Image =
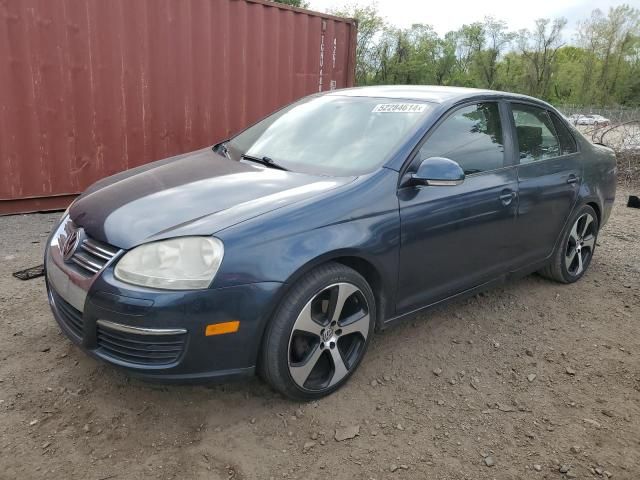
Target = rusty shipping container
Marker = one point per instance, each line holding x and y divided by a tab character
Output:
92	87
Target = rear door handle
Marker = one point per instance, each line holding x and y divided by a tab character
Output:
507	196
572	179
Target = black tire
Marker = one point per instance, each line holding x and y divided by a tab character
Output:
557	269
282	343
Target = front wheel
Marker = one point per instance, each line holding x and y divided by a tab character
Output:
319	334
573	256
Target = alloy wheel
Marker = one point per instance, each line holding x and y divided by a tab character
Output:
328	337
580	245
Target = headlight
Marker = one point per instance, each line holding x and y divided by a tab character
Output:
185	263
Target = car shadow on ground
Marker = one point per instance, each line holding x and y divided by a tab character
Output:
238	393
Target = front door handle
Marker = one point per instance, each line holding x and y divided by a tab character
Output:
572	179
507	196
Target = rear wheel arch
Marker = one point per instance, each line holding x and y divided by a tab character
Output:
557	269
598	210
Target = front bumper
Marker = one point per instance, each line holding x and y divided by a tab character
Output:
156	334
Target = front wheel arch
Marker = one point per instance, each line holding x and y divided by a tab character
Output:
352	259
364	267
270	363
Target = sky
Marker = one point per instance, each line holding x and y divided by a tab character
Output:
445	16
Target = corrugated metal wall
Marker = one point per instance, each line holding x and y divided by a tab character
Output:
92	87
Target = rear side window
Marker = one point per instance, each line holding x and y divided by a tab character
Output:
471	136
536	134
567	142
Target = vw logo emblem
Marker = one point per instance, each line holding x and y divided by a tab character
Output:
327	334
69	245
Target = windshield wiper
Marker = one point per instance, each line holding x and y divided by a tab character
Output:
267	161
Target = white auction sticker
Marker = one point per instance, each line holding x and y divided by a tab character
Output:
399	108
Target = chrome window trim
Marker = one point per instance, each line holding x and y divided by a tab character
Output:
559	157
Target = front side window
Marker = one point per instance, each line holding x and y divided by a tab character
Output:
536	134
331	134
471	136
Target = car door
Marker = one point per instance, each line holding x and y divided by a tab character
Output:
549	175
456	237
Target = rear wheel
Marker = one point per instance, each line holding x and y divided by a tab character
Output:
319	334
573	256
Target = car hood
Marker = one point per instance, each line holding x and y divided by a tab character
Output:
195	194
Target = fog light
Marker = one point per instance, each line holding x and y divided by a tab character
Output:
222	328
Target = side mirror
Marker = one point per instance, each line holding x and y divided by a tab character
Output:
438	171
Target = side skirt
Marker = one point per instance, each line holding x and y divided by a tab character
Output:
513	275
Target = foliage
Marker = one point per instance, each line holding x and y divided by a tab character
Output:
602	67
294	3
370	24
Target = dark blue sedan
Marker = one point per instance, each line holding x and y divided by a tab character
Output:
283	249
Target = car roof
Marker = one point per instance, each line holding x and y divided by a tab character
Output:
428	93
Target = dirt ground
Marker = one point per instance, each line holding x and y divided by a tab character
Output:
526	381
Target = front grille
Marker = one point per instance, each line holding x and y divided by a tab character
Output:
91	255
140	349
69	315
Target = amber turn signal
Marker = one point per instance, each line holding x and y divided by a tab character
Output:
222	328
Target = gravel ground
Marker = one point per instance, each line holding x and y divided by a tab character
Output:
532	380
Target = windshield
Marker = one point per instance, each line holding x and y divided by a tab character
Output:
331	135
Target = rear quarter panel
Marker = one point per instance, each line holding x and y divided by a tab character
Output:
600	178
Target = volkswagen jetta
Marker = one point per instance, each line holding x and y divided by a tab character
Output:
283	249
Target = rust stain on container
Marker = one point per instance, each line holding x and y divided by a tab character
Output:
89	88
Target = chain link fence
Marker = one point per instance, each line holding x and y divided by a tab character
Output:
613	114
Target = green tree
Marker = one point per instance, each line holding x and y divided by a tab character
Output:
602	67
539	49
294	3
370	26
470	41
610	42
446	61
496	39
